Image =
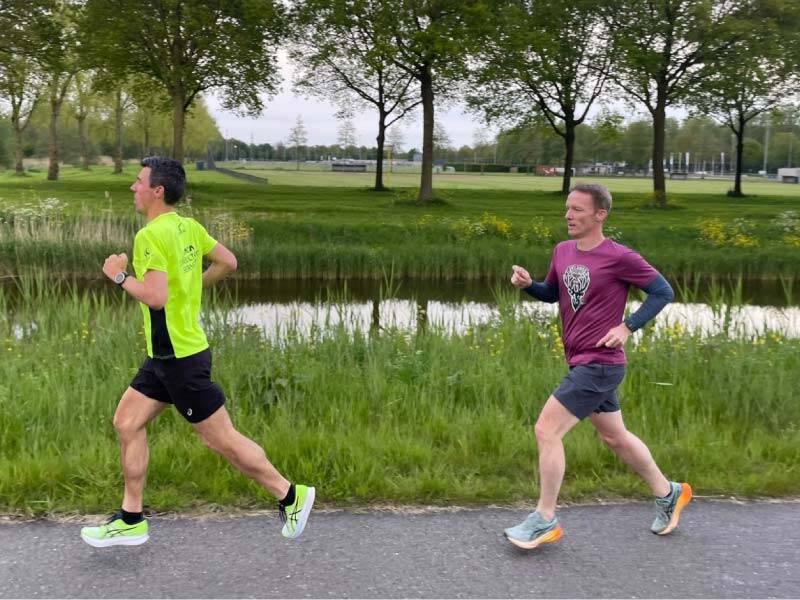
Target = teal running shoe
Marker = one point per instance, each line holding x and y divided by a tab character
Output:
534	531
116	532
668	510
295	516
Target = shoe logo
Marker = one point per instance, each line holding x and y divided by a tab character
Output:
189	413
289	517
118	531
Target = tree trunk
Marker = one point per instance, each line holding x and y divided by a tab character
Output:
178	122
84	141
19	168
118	133
426	179
379	158
659	139
569	155
146	146
737	184
55	113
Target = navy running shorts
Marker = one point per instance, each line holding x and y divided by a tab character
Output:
591	389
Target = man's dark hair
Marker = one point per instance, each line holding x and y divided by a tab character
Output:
169	173
599	193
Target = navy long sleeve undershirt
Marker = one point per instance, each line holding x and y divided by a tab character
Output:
659	294
546	292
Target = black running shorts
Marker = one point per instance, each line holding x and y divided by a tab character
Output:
184	382
591	389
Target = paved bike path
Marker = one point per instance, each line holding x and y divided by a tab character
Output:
721	549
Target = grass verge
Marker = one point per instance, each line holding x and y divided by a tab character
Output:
426	418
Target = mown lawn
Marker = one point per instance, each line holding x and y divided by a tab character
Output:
311	175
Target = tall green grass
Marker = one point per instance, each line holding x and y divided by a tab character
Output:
77	245
382	415
291	231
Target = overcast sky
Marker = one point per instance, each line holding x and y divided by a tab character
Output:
319	118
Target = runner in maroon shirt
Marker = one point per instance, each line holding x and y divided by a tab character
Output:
589	277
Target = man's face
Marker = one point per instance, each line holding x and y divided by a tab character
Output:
582	217
143	194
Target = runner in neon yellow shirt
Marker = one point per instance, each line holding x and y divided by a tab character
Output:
174	245
168	260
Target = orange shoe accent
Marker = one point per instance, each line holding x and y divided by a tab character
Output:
683	500
546	538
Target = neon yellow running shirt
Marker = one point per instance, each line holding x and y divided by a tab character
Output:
174	245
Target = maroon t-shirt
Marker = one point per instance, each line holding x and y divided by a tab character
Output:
592	292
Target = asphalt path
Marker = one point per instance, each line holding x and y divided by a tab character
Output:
721	550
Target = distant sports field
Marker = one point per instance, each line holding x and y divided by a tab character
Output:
511	181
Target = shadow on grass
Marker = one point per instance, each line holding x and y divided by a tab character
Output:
437	201
410	197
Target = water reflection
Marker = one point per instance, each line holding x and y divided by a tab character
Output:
454	306
758	292
456	318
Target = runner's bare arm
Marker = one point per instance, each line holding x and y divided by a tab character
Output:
152	290
223	263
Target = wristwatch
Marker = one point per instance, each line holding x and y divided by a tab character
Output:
120	277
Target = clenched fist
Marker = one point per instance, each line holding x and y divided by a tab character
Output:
520	277
116	263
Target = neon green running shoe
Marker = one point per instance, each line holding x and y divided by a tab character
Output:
116	532
295	516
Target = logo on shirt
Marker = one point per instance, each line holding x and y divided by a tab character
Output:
576	280
189	258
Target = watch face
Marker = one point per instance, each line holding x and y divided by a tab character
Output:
119	277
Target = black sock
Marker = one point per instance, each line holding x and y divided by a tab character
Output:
131	518
289	499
